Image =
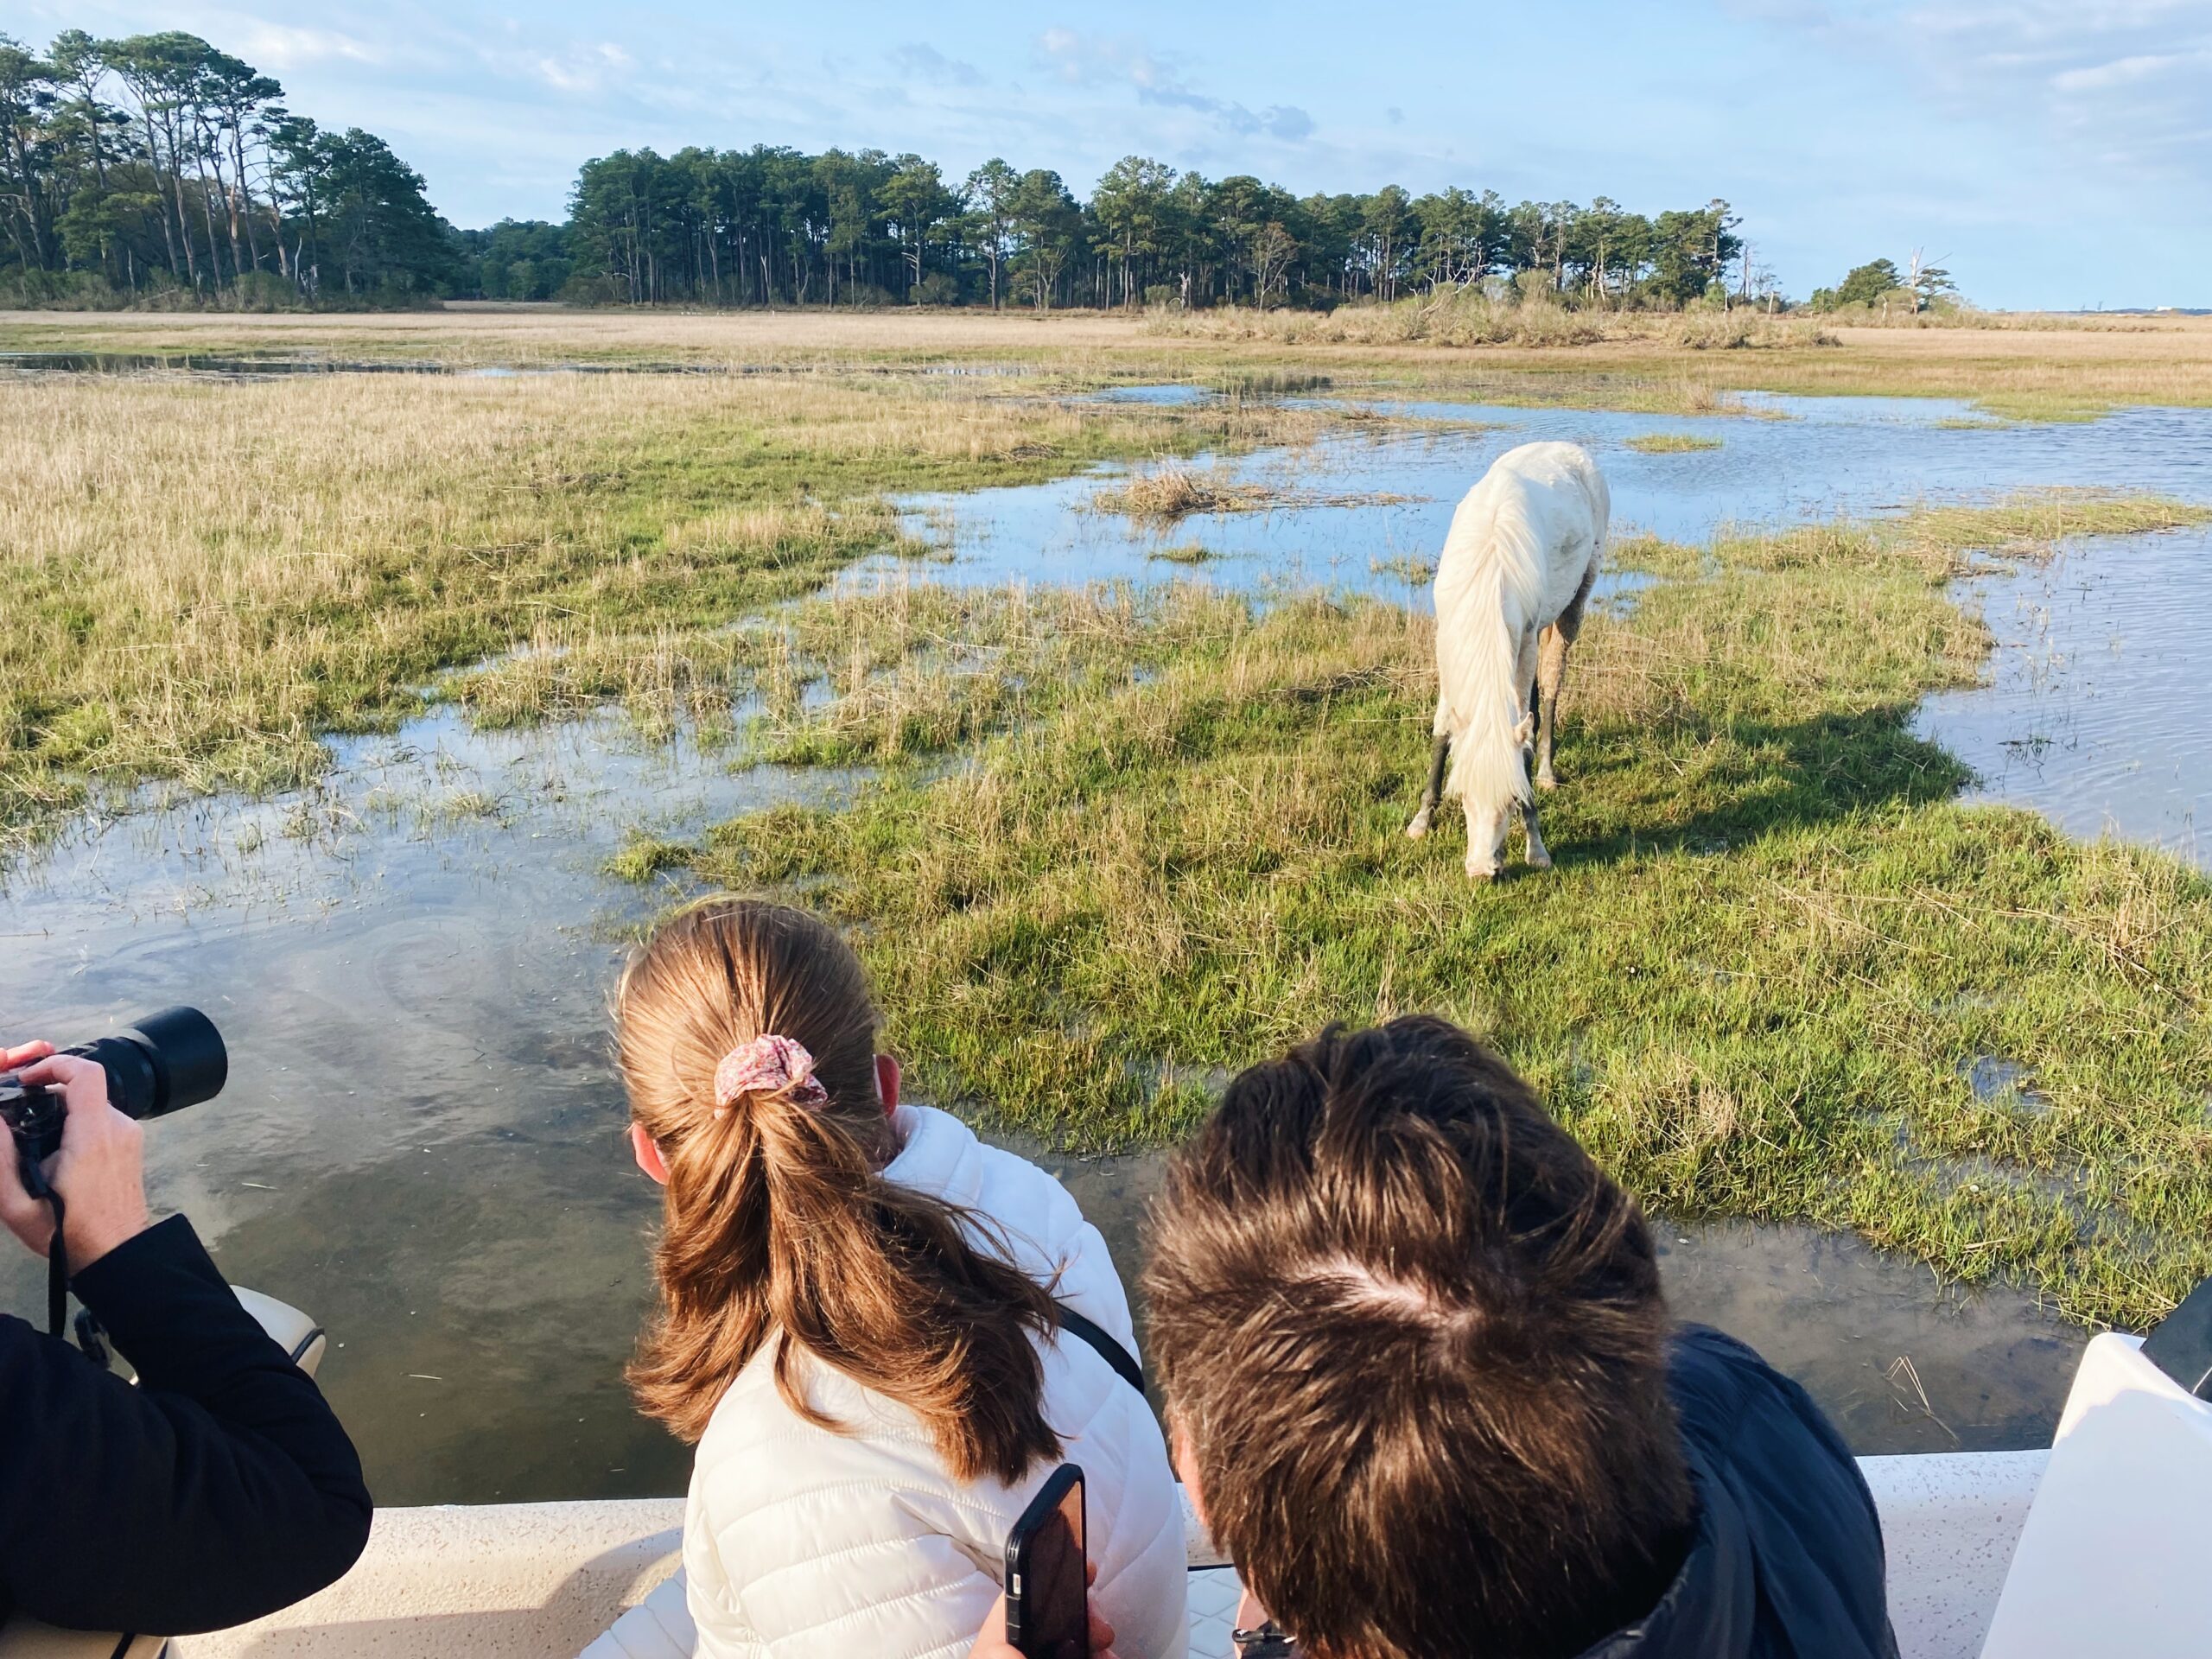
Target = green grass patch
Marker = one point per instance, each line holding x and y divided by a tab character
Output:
1756	984
1671	443
643	856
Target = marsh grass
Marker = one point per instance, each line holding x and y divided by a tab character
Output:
1671	443
1465	316
2026	368
1413	570
205	578
885	667
910	671
1169	493
1172	492
642	856
1755	985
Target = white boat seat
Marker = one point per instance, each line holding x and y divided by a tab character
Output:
539	1579
660	1627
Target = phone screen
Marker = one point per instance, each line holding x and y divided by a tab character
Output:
1048	1594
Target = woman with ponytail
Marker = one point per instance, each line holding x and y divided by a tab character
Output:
861	1320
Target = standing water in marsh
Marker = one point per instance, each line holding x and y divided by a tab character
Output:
421	1143
2095	709
2092	717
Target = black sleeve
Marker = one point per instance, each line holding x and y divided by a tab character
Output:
1815	1529
219	1489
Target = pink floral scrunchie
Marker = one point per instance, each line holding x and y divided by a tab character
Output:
767	1066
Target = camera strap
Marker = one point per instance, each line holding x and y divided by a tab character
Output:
57	1253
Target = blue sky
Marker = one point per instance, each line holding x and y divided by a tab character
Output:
2051	154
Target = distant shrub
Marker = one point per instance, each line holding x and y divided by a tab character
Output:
73	290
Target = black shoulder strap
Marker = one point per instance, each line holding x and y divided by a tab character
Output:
1124	1362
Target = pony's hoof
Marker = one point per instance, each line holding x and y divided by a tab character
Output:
1482	872
1545	780
1540	860
1419	827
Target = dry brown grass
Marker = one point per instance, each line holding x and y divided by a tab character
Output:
1460	318
2093	322
1171	492
2036	367
544	334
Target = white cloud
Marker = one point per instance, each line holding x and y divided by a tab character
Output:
921	61
2125	82
1106	60
577	68
2125	72
280	47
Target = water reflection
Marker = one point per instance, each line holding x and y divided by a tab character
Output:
2094	713
420	1141
1795	459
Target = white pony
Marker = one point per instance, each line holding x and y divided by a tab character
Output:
1509	589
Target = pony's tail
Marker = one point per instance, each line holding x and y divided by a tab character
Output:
1489	750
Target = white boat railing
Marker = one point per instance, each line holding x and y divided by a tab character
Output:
544	1580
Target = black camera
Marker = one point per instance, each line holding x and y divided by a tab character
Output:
167	1062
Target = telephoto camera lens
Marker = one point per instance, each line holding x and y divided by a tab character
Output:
165	1062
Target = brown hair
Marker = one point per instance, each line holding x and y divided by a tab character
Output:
776	1219
1416	1341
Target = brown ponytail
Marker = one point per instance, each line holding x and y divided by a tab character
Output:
777	1221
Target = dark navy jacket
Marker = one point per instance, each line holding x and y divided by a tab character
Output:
219	1489
1787	1561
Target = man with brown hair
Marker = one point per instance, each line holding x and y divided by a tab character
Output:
1424	1386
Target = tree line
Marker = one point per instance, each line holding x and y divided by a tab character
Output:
776	226
156	164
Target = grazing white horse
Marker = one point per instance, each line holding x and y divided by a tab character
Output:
1509	589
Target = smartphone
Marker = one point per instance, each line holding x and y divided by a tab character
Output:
1047	1595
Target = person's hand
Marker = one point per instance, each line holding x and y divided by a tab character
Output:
991	1642
98	1171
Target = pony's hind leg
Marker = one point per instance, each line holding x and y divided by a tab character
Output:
1433	791
1524	673
1551	675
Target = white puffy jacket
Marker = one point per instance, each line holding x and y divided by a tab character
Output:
803	1543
